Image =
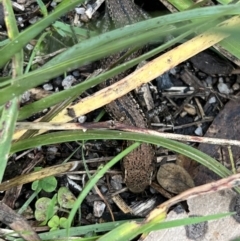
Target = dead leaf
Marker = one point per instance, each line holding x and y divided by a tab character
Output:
174	178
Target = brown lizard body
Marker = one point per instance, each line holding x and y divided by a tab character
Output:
138	165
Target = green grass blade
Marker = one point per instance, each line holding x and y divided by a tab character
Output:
67	30
130	230
188	221
90	50
232	45
11	108
25	36
81	230
42	7
66	136
182	5
55	98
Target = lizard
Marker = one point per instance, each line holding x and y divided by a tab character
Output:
138	165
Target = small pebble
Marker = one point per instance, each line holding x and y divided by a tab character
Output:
199	131
173	71
98	208
20	20
82	119
44	111
164	82
212	100
31	155
235	86
196	231
29	47
53	4
52	150
25	97
47	86
80	11
68	81
222	87
116	182
76	73
209	81
220	80
103	189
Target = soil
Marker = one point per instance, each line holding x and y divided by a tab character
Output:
191	103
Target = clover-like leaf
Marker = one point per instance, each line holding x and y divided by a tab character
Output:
45	208
54	222
41	208
63	222
65	198
49	184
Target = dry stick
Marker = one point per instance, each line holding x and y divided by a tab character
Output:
224	183
45	172
119	126
17	223
65	168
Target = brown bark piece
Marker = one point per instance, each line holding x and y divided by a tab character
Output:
226	126
17	223
211	63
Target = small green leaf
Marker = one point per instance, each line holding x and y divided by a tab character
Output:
39	215
63	222
49	184
35	185
45	209
54	222
41	208
54	229
52	208
65	198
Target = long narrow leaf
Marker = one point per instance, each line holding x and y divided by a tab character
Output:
24	37
55	98
86	52
10	109
60	137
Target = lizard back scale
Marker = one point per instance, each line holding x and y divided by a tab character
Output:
138	165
